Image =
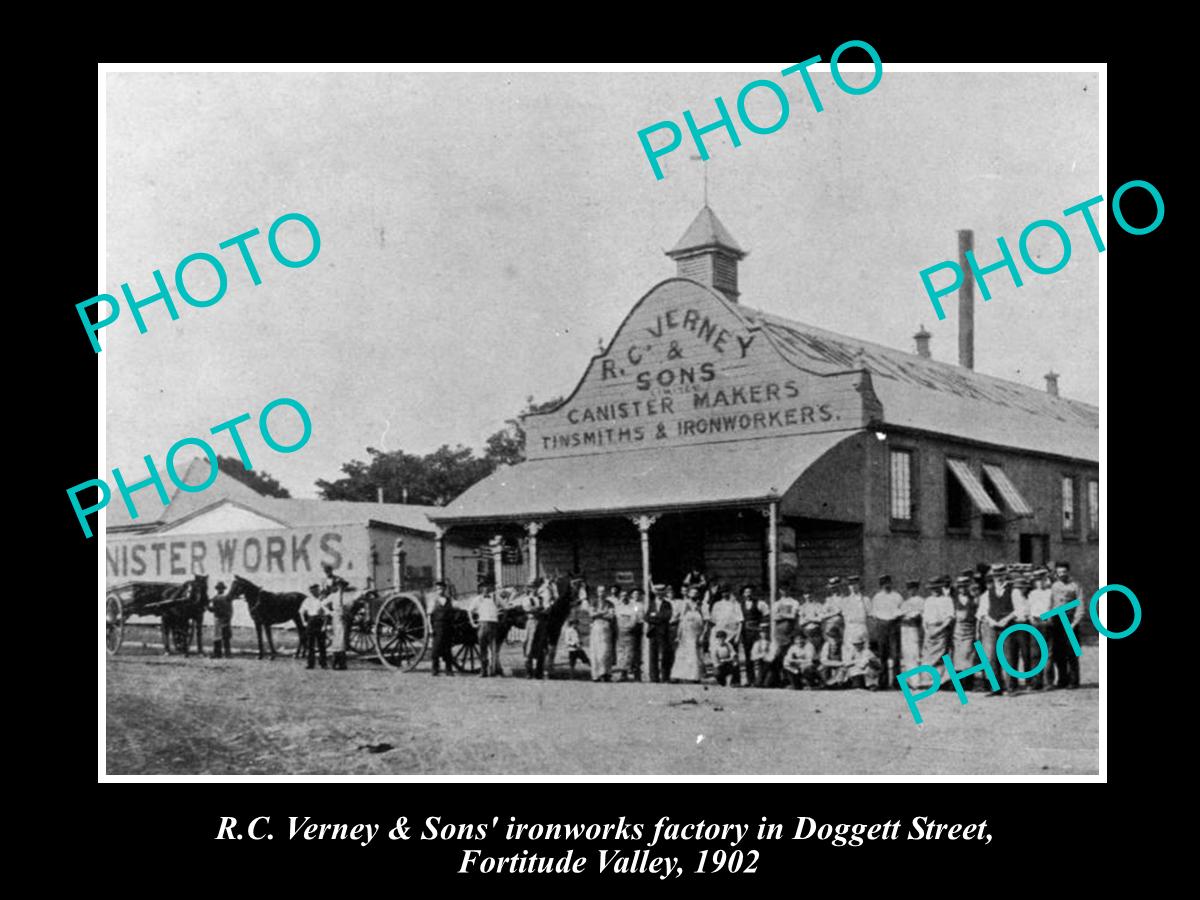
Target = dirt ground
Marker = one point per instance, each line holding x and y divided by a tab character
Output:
239	716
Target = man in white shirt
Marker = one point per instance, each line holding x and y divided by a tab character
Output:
885	610
1064	590
486	616
1039	602
853	606
1019	645
726	615
312	614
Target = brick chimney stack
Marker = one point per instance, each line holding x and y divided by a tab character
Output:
1052	383
922	338
966	302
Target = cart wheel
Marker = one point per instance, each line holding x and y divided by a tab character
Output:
466	657
361	629
401	633
114	621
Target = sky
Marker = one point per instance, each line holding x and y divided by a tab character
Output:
481	233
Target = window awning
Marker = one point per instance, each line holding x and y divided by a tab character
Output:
973	487
1008	490
606	484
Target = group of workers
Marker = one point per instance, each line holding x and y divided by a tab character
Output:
846	639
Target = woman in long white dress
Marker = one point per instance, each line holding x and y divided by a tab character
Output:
688	665
628	618
600	641
910	628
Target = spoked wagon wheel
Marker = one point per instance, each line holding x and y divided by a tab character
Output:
466	657
401	633
114	622
361	630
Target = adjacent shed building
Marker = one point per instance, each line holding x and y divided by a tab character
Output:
280	544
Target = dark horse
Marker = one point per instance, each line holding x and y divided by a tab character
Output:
267	609
180	608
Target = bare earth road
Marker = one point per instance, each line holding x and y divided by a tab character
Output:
240	716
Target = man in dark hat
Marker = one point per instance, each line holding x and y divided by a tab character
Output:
998	613
756	618
885	618
658	632
222	610
441	622
966	627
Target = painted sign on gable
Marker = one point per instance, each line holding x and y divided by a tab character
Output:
277	559
685	368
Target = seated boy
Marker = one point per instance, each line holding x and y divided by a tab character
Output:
725	659
832	666
800	663
761	657
862	666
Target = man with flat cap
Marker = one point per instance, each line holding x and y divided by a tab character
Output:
997	613
441	622
885	614
222	610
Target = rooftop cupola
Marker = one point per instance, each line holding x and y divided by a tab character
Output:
708	253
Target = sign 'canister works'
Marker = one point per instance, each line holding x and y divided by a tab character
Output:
709	434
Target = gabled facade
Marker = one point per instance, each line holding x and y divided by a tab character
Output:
709	433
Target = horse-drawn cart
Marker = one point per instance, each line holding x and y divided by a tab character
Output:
179	606
401	634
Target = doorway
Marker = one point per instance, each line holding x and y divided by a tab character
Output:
1035	549
676	547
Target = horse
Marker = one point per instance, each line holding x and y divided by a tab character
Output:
542	645
267	609
180	608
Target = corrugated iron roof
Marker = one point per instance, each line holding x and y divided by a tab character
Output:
939	397
640	480
295	512
151	512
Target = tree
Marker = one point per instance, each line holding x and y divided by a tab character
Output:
434	479
256	479
507	446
